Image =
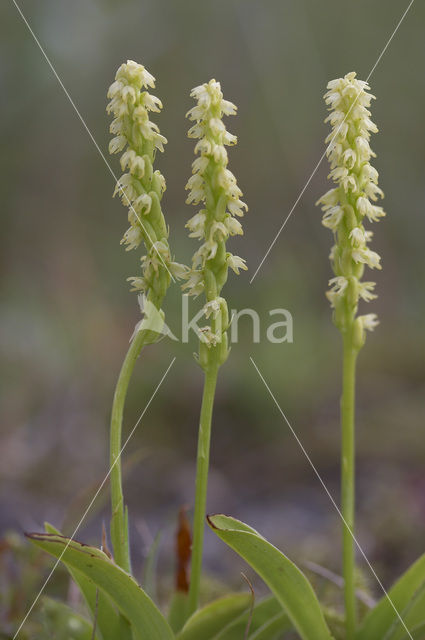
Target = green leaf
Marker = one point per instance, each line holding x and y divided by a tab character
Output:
286	581
264	611
418	632
62	623
146	620
413	617
273	629
179	610
208	621
110	623
380	619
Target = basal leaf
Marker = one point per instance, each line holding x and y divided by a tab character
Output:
109	622
417	632
273	629
62	623
178	611
286	581
413	617
265	610
380	619
146	620
205	623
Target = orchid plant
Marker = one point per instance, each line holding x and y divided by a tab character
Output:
121	609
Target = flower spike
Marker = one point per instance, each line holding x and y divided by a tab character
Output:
351	202
213	187
141	188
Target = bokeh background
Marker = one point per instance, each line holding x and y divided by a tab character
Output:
67	313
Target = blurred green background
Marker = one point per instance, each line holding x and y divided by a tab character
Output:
67	313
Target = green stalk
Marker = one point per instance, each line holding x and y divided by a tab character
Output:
348	482
203	457
119	524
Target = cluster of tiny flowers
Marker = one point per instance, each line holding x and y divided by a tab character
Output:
140	187
212	184
352	200
214	188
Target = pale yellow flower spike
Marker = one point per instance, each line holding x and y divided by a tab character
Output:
351	202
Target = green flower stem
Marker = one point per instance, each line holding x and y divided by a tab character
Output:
203	457
348	481
119	524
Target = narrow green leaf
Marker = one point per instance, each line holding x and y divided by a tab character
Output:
146	620
110	623
178	612
208	621
380	619
417	632
264	611
62	623
413	617
273	629
286	581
